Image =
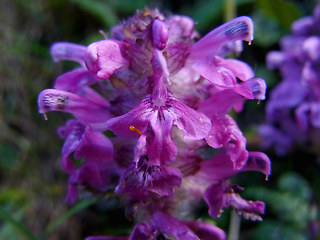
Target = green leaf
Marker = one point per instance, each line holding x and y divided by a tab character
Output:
99	9
17	225
78	207
128	6
277	231
205	13
267	31
283	12
9	157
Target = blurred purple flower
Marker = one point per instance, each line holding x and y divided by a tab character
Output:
293	110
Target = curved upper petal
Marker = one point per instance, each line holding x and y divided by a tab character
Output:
81	107
240	28
68	51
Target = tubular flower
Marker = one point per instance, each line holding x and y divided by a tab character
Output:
161	97
293	112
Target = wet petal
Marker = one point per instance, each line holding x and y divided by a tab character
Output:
193	124
221	131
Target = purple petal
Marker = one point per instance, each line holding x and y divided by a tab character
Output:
220	195
302	116
72	192
206	231
208	70
240	69
275	59
75	80
240	28
214	197
93	146
160	78
180	26
303	26
273	137
92	175
315	114
257	87
82	108
223	72
312	48
96	151
104	57
258	161
142	176
220	134
68	51
142	231
220	167
160	34
220	103
138	118
171	226
225	133
249	210
106	238
244	90
162	149
193	124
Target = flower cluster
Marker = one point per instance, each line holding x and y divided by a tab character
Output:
148	102
293	110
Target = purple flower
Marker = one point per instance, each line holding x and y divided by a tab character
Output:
293	108
162	97
160	110
86	156
164	226
211	181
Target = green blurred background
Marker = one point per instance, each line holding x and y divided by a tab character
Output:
32	183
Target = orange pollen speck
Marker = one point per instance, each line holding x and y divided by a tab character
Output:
45	116
164	53
133	129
